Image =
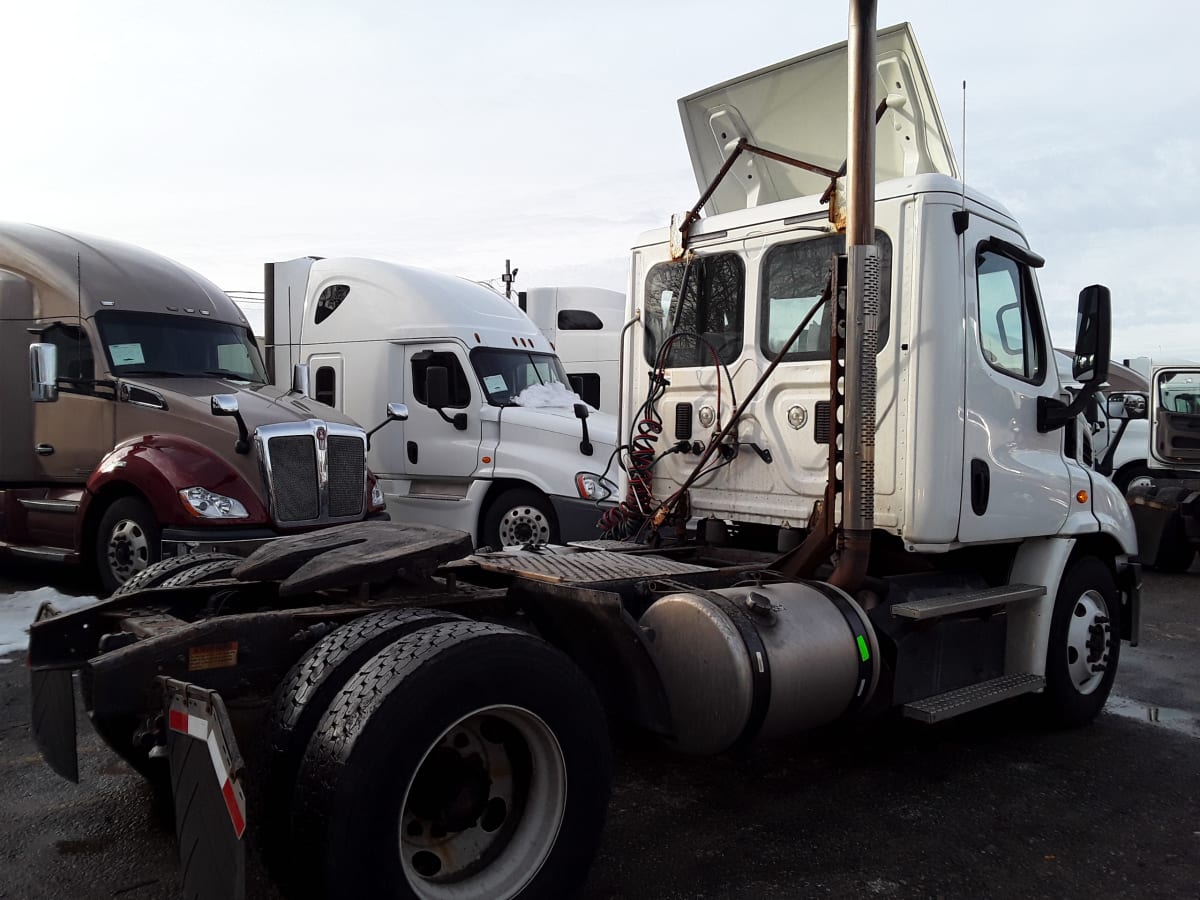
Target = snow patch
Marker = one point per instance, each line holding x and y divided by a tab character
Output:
548	395
17	611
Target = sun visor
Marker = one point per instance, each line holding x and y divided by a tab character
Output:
798	108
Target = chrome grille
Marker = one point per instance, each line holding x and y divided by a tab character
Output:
294	478
315	472
347	469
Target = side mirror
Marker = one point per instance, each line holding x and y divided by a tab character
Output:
1127	406
585	444
300	379
1093	335
437	387
43	373
227	405
576	382
395	412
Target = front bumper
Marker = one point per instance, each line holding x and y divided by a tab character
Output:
238	541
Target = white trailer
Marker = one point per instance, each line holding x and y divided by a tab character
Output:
583	324
492	443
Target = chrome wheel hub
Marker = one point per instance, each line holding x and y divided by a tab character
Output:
1088	641
128	550
524	525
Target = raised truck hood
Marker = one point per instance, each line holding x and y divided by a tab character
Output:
798	108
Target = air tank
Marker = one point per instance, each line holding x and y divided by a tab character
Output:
745	663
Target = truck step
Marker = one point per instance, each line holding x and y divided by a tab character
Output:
940	707
948	605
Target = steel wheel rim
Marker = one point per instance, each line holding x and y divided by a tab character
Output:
1139	482
498	854
1088	639
524	525
128	550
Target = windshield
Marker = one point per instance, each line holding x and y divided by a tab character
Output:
505	373
178	346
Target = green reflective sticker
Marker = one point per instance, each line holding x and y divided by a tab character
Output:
863	650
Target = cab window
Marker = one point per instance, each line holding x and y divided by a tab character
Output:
460	388
1009	325
76	362
795	277
694	308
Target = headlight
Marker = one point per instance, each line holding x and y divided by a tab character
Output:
377	501
207	505
593	487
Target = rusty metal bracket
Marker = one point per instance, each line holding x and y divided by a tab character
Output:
693	215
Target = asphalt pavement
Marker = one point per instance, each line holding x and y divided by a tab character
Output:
988	805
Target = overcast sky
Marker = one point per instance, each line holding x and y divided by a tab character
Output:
454	135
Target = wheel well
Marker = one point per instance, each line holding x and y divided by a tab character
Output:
1132	465
1102	546
101	501
500	485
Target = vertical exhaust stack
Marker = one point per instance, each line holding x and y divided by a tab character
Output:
862	312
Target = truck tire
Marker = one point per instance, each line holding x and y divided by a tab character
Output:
1085	644
464	760
519	516
1124	477
165	569
127	542
307	692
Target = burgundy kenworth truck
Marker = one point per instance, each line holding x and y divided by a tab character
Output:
138	420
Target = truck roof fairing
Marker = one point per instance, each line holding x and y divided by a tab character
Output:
80	274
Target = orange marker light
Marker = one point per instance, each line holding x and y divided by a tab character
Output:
487	459
1082	496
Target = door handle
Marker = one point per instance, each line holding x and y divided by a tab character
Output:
44	449
412	452
981	486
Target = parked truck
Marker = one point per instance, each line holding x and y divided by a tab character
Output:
583	325
138	420
893	519
1165	495
494	442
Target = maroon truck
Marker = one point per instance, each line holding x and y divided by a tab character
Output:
139	421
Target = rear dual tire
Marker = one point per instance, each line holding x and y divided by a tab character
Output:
464	760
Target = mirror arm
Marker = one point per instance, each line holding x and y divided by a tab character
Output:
1053	414
458	420
1105	466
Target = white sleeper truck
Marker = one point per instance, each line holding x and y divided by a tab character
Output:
854	399
490	441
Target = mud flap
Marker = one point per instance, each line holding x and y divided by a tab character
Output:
210	805
53	714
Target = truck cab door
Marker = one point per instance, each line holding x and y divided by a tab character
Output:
73	433
1175	417
1016	482
435	448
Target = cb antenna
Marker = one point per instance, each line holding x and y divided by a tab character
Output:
964	146
961	216
509	276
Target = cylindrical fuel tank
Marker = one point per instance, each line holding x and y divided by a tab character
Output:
754	662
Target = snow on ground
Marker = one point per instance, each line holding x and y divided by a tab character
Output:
553	394
18	609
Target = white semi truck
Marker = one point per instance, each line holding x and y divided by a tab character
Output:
894	518
491	440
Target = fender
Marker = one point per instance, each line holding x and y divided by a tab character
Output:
159	466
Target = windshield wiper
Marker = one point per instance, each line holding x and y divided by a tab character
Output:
159	373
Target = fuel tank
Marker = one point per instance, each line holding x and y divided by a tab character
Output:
744	663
